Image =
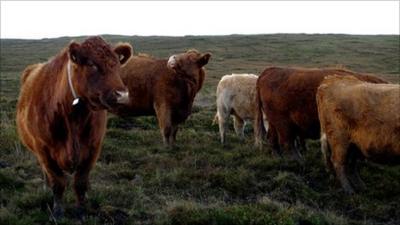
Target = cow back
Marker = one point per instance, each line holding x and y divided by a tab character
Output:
289	95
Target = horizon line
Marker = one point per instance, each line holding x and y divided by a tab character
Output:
192	35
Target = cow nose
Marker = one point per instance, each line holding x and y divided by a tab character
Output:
171	62
122	97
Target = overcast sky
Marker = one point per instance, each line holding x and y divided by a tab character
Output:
54	19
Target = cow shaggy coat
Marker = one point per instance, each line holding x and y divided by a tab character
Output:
236	95
358	119
165	88
287	96
66	137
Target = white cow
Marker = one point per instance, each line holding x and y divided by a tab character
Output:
236	95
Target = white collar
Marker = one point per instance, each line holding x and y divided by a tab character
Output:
69	73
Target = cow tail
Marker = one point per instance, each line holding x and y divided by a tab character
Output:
326	151
259	131
216	119
325	148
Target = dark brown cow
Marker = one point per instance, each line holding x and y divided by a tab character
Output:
287	96
63	123
165	88
358	120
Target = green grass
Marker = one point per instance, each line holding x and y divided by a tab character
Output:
138	181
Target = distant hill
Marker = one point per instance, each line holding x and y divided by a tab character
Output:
234	53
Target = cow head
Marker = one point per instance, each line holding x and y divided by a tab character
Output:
95	65
188	64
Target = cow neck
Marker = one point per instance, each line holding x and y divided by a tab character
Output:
78	106
71	86
191	79
191	83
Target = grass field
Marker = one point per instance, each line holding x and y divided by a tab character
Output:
138	181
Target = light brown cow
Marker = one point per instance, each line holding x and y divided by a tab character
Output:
165	88
236	95
61	112
358	119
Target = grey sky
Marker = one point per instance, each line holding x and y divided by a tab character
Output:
53	19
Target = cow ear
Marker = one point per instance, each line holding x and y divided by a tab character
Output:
75	53
124	52
204	59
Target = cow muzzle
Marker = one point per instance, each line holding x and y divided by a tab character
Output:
172	62
122	97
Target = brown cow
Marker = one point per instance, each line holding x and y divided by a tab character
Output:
61	112
287	96
165	88
358	119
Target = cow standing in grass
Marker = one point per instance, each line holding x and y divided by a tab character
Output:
236	95
163	87
287	97
358	120
62	109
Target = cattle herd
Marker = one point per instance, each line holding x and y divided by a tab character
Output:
63	104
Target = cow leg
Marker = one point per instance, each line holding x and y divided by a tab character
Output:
338	158
289	148
46	185
300	144
238	123
81	185
223	112
286	141
57	181
222	123
174	129
164	122
272	137
355	178
58	184
166	132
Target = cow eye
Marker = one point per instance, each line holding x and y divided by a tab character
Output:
92	65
